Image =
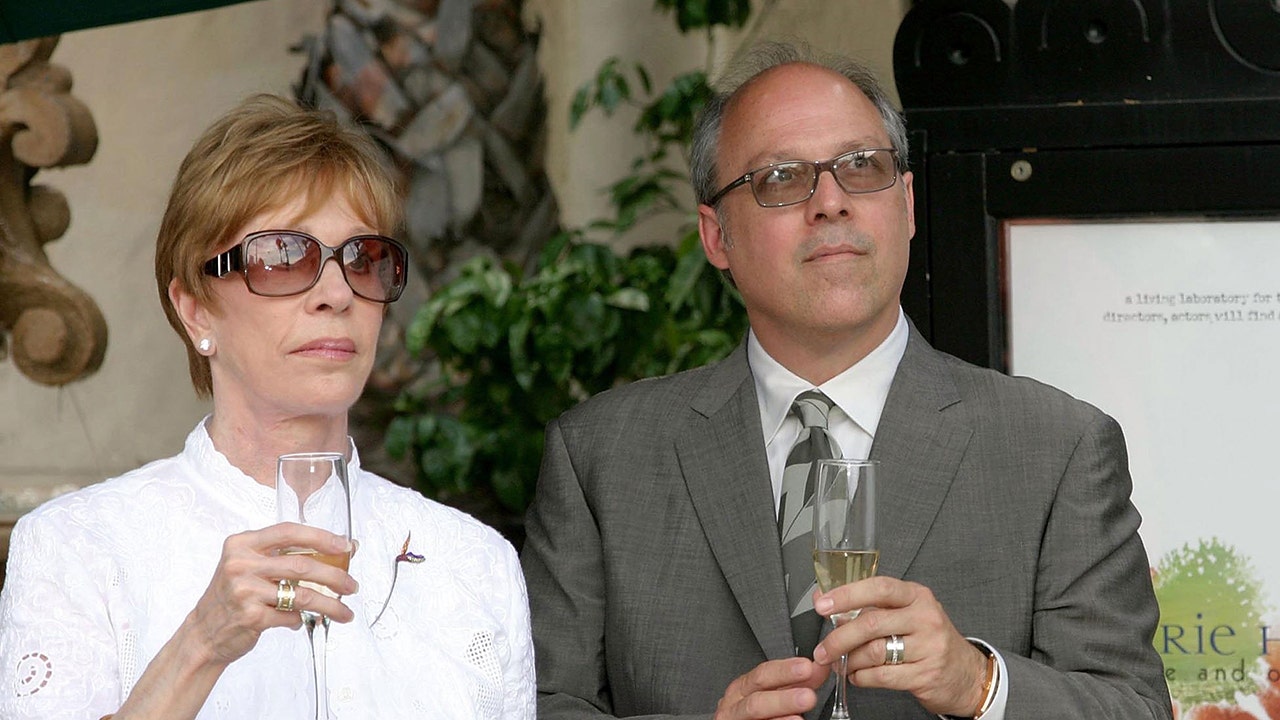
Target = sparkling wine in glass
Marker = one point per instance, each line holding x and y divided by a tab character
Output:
312	489
844	540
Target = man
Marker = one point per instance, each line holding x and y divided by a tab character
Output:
1012	582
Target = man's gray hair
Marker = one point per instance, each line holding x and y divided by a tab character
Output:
761	58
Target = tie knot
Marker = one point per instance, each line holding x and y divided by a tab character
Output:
812	407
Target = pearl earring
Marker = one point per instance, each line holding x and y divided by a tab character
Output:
205	345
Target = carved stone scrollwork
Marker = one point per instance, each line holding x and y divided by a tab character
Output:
56	333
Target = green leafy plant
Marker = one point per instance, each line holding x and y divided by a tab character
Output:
514	348
516	351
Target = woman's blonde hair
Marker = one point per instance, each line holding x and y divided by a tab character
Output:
263	154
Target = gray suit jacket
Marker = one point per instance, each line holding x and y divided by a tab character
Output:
655	574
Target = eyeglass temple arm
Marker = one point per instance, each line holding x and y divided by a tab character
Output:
225	263
746	178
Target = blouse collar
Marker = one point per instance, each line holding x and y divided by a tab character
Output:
211	465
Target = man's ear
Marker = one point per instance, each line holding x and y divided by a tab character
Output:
908	187
713	237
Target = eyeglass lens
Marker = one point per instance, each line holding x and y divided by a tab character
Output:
862	171
282	263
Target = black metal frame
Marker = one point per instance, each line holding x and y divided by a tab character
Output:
1028	128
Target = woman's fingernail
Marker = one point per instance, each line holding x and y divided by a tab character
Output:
824	605
820	655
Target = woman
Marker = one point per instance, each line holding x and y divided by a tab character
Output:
159	594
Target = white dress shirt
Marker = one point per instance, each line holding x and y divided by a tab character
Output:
101	578
857	395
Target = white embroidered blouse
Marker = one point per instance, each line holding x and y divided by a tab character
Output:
100	579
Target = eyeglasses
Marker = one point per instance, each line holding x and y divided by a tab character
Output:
787	183
276	263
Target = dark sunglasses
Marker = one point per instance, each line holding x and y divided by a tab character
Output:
276	263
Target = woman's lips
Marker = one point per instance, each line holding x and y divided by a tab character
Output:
330	348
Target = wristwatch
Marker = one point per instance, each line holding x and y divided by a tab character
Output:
989	686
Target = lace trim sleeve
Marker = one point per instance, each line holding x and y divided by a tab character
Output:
57	654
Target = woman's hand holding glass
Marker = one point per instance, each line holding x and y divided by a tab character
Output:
240	601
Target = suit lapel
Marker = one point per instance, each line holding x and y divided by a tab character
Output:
722	458
919	447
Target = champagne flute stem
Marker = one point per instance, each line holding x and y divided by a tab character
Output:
319	644
840	709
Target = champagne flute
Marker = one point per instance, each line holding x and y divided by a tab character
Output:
844	538
311	489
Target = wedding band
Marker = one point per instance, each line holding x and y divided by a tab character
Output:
894	649
285	595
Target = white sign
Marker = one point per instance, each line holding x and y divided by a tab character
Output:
1173	328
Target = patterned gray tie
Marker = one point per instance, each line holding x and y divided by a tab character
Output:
795	515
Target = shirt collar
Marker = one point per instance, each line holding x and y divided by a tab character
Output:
200	450
860	391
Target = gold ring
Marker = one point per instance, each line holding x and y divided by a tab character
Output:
285	594
894	649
